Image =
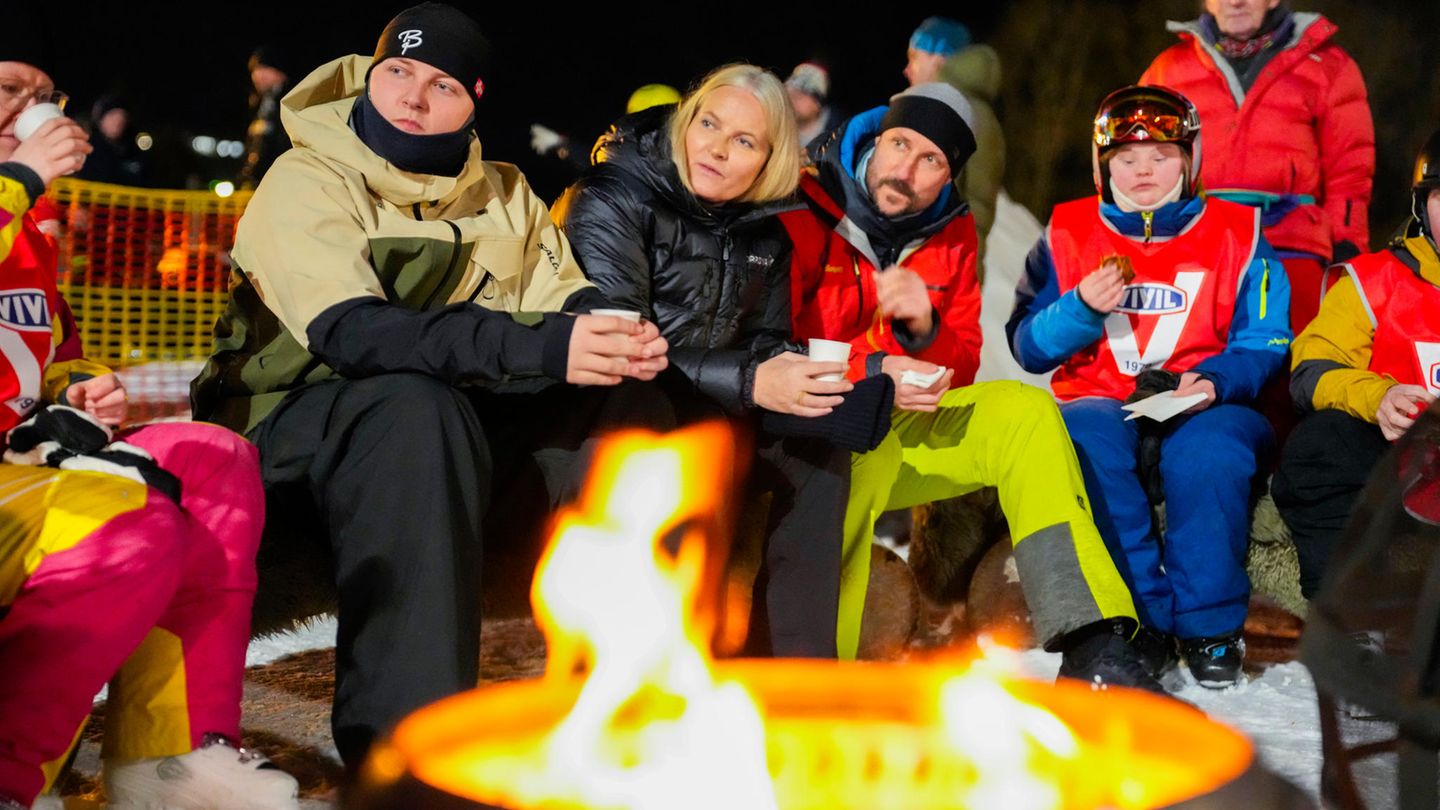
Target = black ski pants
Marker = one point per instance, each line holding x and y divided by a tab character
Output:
1323	467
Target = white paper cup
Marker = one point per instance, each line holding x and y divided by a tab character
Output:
829	351
627	314
35	117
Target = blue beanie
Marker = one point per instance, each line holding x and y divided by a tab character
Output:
940	35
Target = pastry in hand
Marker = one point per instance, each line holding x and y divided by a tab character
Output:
1127	270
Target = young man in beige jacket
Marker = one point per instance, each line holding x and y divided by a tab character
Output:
382	270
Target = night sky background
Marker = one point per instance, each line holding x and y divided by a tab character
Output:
182	67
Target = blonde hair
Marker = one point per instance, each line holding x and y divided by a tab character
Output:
781	172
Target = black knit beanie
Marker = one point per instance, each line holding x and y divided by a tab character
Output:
25	36
940	113
441	36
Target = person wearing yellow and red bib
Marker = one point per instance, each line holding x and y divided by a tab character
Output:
1151	282
1363	370
139	573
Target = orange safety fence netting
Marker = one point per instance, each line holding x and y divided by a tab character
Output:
146	272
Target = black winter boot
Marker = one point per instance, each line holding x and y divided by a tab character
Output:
1100	655
1157	651
1214	662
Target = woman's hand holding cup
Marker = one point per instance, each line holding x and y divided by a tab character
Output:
792	383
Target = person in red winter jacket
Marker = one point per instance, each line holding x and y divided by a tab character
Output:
1287	129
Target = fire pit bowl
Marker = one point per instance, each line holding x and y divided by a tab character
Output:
841	736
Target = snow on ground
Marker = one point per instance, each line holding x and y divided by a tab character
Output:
1277	710
1013	234
315	634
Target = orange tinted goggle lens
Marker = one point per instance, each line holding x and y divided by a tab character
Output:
1158	127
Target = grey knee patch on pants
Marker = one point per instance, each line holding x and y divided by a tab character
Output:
1055	587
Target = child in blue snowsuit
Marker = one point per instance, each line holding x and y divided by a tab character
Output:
1147	278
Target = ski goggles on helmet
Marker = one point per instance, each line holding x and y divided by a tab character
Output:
1138	113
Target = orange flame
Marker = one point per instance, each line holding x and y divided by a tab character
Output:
651	729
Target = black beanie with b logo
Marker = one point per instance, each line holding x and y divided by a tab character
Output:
441	36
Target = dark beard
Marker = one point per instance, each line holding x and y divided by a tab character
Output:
903	188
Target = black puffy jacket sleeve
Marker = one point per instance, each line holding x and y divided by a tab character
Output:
766	330
610	230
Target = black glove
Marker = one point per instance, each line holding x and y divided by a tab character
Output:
70	439
858	424
1152	433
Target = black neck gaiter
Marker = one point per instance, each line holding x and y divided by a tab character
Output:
442	154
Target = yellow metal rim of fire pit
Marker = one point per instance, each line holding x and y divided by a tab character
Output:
845	736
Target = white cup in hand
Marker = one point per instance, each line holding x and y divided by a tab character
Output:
829	351
32	119
624	314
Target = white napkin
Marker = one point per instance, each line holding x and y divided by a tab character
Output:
919	380
1162	406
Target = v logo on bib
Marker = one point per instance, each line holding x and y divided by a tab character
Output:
1406	344
1167	308
27	304
25	310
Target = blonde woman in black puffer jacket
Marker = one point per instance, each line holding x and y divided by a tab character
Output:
676	220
